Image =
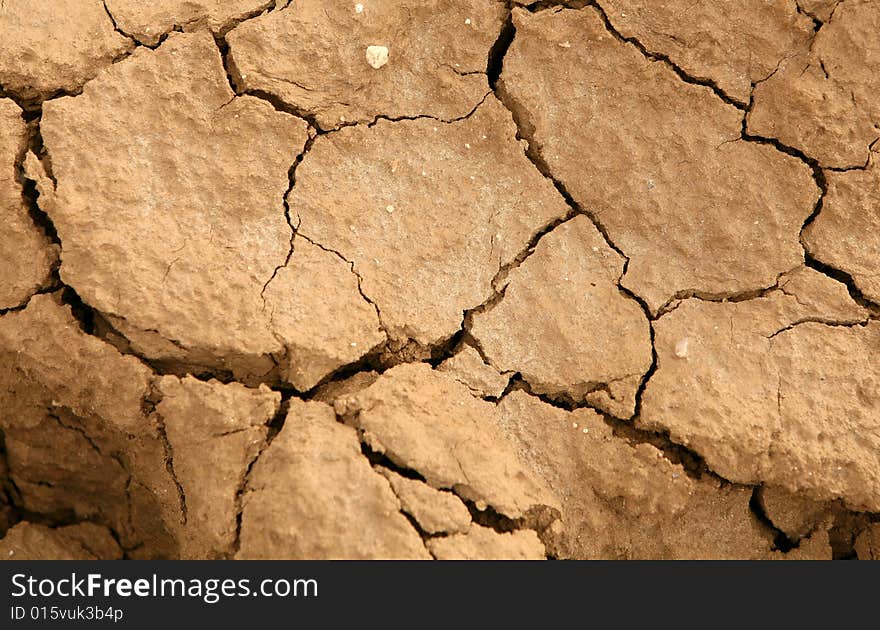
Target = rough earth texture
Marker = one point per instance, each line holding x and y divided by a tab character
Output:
312	56
26	254
846	234
732	45
28	541
51	48
822	100
453	203
452	280
658	162
150	22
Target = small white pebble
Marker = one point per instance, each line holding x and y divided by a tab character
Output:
389	209
574	425
377	56
12	552
565	44
424	174
467	146
681	348
354	344
358	8
468	21
586	430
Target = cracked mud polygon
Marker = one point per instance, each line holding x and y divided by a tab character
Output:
467	279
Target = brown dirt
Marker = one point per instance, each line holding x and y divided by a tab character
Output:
447	279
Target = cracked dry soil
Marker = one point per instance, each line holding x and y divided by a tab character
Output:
440	279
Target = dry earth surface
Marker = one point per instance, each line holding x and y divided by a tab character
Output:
440	279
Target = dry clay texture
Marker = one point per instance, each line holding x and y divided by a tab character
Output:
461	279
